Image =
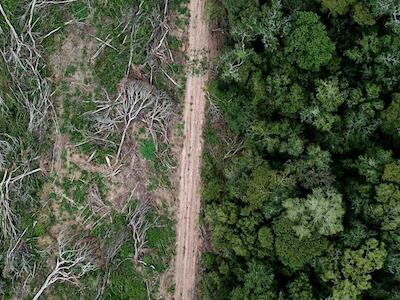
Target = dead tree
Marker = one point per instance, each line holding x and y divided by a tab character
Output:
158	49
75	259
97	204
23	60
45	3
135	98
19	48
5	149
214	111
136	102
233	144
16	260
111	244
95	210
139	225
156	44
8	218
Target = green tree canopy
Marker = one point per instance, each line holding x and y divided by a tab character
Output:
307	43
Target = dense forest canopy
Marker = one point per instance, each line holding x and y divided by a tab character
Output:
302	174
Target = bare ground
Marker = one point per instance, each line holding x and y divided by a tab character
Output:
188	230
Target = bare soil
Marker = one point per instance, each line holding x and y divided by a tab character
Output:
188	230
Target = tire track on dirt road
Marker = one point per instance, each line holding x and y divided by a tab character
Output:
188	231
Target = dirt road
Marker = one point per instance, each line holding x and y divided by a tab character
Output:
188	233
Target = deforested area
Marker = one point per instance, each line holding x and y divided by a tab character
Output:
90	130
301	164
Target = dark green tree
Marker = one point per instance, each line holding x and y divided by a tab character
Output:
293	252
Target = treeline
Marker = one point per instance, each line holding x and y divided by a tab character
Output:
302	173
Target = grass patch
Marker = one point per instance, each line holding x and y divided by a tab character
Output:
148	150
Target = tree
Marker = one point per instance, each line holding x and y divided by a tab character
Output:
390	117
300	288
238	114
277	137
391	173
390	8
300	252
307	43
363	15
387	208
377	58
254	196
240	9
328	98
340	7
230	64
212	287
350	270
266	22
355	235
257	283
278	92
392	265
359	198
266	239
313	168
266	190
269	25
322	212
372	164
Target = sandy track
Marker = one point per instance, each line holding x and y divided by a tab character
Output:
188	232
